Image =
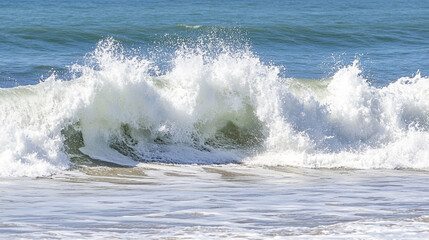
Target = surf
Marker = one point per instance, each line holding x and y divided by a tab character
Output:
213	104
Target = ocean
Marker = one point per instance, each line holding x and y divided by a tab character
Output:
214	119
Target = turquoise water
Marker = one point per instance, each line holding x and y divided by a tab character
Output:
309	38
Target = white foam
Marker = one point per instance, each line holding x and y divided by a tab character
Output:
355	125
215	104
32	118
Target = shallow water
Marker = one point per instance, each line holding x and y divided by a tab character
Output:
156	201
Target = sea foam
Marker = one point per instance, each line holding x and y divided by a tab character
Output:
214	104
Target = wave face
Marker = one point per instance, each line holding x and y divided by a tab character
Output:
214	104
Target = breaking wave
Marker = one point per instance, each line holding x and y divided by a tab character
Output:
214	104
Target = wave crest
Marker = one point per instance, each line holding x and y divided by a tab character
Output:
214	103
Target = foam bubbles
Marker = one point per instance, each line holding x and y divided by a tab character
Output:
355	125
213	104
31	143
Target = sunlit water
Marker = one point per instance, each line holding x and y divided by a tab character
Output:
210	202
214	119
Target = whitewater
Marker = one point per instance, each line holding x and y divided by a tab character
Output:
214	103
214	119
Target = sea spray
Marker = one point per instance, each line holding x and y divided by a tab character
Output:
213	104
207	103
32	118
356	125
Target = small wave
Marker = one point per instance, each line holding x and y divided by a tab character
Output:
189	26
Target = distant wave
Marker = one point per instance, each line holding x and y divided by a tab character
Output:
189	26
216	104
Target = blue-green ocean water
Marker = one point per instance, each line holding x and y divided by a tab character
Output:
309	38
214	119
